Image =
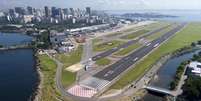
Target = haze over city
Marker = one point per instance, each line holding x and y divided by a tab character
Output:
106	4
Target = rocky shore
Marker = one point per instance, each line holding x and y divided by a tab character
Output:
38	93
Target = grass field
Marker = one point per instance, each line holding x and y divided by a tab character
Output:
114	34
156	25
127	50
96	40
103	62
107	45
183	38
68	78
148	27
132	29
74	57
48	68
156	35
71	58
135	34
124	31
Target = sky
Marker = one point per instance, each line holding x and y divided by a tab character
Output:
106	4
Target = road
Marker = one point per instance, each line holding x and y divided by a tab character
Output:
113	71
59	85
111	51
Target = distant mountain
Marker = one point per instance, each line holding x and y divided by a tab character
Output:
145	15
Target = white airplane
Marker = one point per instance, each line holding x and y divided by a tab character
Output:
135	59
148	44
156	45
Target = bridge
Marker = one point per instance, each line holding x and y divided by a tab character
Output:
161	90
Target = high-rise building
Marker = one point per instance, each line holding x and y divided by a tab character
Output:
20	10
65	10
88	10
72	11
47	11
60	13
30	10
34	11
12	12
54	11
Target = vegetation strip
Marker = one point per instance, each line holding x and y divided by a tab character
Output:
103	62
48	68
107	45
127	50
158	34
179	72
135	34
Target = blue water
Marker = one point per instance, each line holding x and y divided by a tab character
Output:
168	70
166	74
183	15
18	75
10	39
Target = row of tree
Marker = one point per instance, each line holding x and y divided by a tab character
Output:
179	72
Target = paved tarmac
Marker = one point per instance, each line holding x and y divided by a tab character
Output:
111	51
111	72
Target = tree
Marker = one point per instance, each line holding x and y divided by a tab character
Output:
193	44
192	89
199	42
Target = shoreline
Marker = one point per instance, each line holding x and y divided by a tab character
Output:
37	93
38	85
15	48
172	55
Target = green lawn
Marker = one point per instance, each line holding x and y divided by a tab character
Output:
184	38
71	58
158	34
156	25
68	78
107	45
135	34
103	62
132	29
123	31
148	27
127	50
48	68
114	34
96	40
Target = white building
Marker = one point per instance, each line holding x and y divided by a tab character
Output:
196	67
66	48
28	18
90	28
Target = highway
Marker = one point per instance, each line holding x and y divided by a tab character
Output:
113	71
111	51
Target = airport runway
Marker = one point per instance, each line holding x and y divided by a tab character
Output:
111	51
111	72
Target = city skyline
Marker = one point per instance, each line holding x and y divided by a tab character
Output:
106	4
